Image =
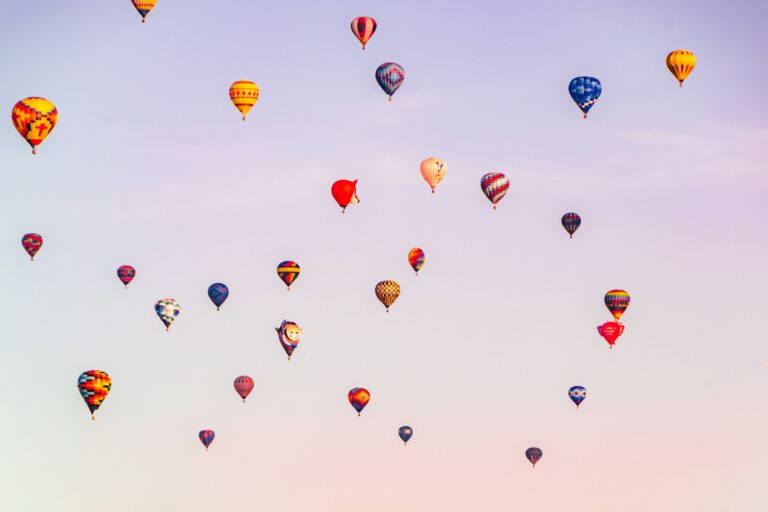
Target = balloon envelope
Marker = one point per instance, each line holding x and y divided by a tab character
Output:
243	386
387	292
533	455
359	398
345	193
363	27
617	302
289	334
206	437
405	433
571	222
34	118
167	310
495	186
144	6
416	259
433	171
288	272
585	90
390	76
611	332
218	293
244	94
680	63
577	394
94	386
32	242
126	273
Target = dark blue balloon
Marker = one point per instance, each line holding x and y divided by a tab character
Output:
585	90
405	433
571	222
577	394
533	454
390	76
218	293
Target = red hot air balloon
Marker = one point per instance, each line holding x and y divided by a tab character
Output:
206	437
32	243
363	27
244	386
345	193
358	398
611	332
126	273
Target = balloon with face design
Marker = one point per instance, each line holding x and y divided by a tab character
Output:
289	334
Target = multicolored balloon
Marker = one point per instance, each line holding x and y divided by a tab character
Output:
206	437
363	27
405	434
167	310
288	271
495	186
571	222
533	455
416	259
433	171
585	90
244	95
611	332
390	76
218	293
32	242
144	6
126	273
345	193
34	118
289	334
617	301
244	386
94	386
359	398
577	394
387	292
680	63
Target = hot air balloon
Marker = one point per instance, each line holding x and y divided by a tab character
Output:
244	95
571	222
611	332
243	386
405	434
433	171
288	271
32	242
218	293
617	301
387	292
345	193
144	6
390	76
416	259
359	398
533	455
167	310
126	273
206	437
289	334
585	90
363	27
495	186
34	118
680	63
577	394
94	386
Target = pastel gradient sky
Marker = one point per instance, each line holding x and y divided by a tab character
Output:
150	165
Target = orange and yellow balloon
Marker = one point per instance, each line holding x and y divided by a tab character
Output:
387	292
433	171
34	118
244	95
144	6
680	63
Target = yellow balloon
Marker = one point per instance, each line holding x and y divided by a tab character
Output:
34	118
144	6
244	95
680	63
387	292
433	170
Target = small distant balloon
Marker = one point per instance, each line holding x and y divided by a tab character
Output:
218	293
167	310
387	292
288	272
405	434
416	259
390	76
206	437
359	398
126	273
577	394
94	386
32	242
495	186
244	386
617	302
585	90
681	63
144	6
244	95
433	171
611	331
363	27
345	193
534	455
34	118
571	222
289	334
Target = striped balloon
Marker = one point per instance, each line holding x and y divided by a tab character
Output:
32	242
390	77
363	28
577	394
433	171
584	91
94	386
243	386
680	63
495	186
206	437
387	292
244	95
34	118
144	6
571	222
126	273
358	398
288	271
617	301
416	259
533	455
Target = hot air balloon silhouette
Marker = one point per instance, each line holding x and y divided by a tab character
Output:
32	242
611	332
416	259
405	433
288	272
206	437
433	171
495	186
345	193
218	293
126	273
363	27
387	292
94	386
358	398
577	394
289	334
167	310
243	386
585	90
144	6
34	118
680	63
617	302
533	455
390	76
244	95
571	222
